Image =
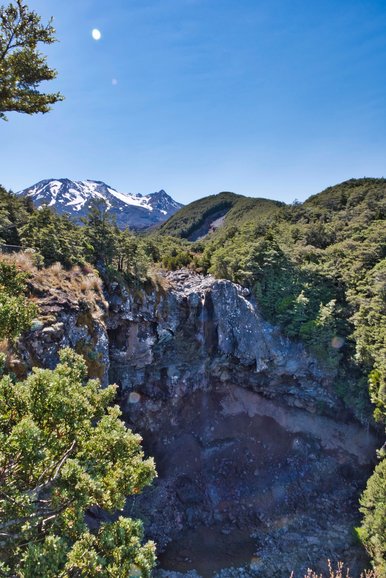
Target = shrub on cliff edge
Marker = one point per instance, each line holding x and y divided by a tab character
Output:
63	449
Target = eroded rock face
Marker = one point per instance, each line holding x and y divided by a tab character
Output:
243	480
259	466
68	320
201	331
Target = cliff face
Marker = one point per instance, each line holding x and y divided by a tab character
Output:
201	330
258	464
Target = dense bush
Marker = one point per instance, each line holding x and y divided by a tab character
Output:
16	312
373	507
63	449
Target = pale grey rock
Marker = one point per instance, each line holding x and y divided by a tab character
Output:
206	326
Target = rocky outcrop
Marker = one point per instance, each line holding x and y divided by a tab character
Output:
72	313
259	466
202	330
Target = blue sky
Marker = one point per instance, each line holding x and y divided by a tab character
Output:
269	98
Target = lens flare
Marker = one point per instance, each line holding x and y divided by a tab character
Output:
134	572
337	342
134	397
255	563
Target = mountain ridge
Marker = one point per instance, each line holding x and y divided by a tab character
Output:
76	197
217	212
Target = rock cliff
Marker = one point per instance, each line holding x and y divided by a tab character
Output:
259	465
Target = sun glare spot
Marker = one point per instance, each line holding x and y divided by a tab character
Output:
96	34
255	563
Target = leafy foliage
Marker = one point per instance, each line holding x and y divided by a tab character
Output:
63	450
22	66
114	250
14	213
373	507
56	238
16	312
370	332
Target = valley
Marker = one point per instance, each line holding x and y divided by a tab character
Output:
192	382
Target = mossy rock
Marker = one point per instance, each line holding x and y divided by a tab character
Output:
95	366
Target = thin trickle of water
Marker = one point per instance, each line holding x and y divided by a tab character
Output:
201	323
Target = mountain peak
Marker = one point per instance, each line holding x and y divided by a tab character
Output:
75	197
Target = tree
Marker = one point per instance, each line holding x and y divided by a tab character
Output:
55	237
63	450
22	66
131	258
14	213
101	234
370	333
373	507
16	311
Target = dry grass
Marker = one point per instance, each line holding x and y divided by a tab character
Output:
79	284
5	352
339	572
158	281
23	261
90	283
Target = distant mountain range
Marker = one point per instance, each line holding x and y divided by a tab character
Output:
75	198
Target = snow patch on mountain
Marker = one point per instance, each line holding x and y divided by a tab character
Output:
75	198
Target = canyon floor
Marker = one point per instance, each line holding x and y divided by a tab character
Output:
251	486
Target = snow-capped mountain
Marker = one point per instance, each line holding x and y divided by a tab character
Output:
75	197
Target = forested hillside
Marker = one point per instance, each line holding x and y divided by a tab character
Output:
317	269
195	219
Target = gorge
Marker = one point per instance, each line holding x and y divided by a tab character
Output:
260	465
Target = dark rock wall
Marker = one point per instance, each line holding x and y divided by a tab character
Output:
202	330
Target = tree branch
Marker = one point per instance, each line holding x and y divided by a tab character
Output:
58	466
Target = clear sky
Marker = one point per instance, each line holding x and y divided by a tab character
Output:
269	98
